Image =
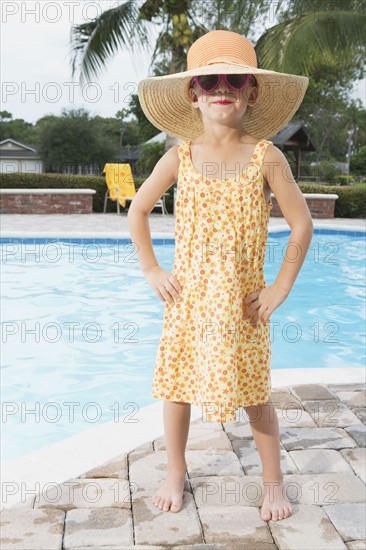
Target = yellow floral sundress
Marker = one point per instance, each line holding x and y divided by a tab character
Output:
208	354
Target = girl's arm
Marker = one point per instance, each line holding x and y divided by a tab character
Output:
161	178
296	212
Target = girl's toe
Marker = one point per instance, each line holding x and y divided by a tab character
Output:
266	516
166	506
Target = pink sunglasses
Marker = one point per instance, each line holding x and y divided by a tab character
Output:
208	83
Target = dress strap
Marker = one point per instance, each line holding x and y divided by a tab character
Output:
260	150
182	147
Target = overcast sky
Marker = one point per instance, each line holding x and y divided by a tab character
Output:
35	62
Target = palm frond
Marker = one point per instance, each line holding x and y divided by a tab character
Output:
301	45
94	42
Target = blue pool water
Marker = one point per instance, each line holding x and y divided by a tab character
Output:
81	327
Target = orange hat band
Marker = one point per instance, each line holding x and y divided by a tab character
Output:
223	59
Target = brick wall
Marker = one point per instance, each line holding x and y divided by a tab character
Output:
319	207
36	203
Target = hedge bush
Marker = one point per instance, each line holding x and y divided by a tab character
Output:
350	204
57	181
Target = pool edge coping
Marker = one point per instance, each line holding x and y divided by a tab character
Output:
274	227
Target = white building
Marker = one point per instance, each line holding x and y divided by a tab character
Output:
18	157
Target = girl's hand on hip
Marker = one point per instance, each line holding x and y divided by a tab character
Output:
262	302
164	284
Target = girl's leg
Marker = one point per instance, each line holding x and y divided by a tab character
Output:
176	426
264	424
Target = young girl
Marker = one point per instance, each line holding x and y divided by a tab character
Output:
215	347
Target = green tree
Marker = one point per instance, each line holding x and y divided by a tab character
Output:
17	129
151	153
145	128
130	131
5	116
358	162
74	140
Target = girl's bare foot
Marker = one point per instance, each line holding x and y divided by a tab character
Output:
275	506
170	494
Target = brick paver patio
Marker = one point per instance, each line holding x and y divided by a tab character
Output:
323	459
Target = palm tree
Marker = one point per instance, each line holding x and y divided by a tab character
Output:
181	22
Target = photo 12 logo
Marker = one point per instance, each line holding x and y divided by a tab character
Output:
54	92
54	12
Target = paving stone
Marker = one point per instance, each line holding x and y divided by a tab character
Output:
318	461
227	491
24	504
348	519
86	493
215	546
322	489
116	468
154	526
331	413
23	529
242	545
148	446
308	528
347	387
353	398
251	462
287	418
283	399
238	430
243	430
202	436
326	438
357	460
295	418
148	470
356	545
317	489
98	528
123	547
245	525
361	414
312	392
212	463
358	433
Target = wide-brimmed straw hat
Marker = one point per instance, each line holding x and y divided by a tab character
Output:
166	102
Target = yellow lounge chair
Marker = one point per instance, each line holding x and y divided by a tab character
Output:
120	184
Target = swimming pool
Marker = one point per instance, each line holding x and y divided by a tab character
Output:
80	327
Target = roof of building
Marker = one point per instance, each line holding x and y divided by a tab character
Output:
13	154
293	132
18	150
